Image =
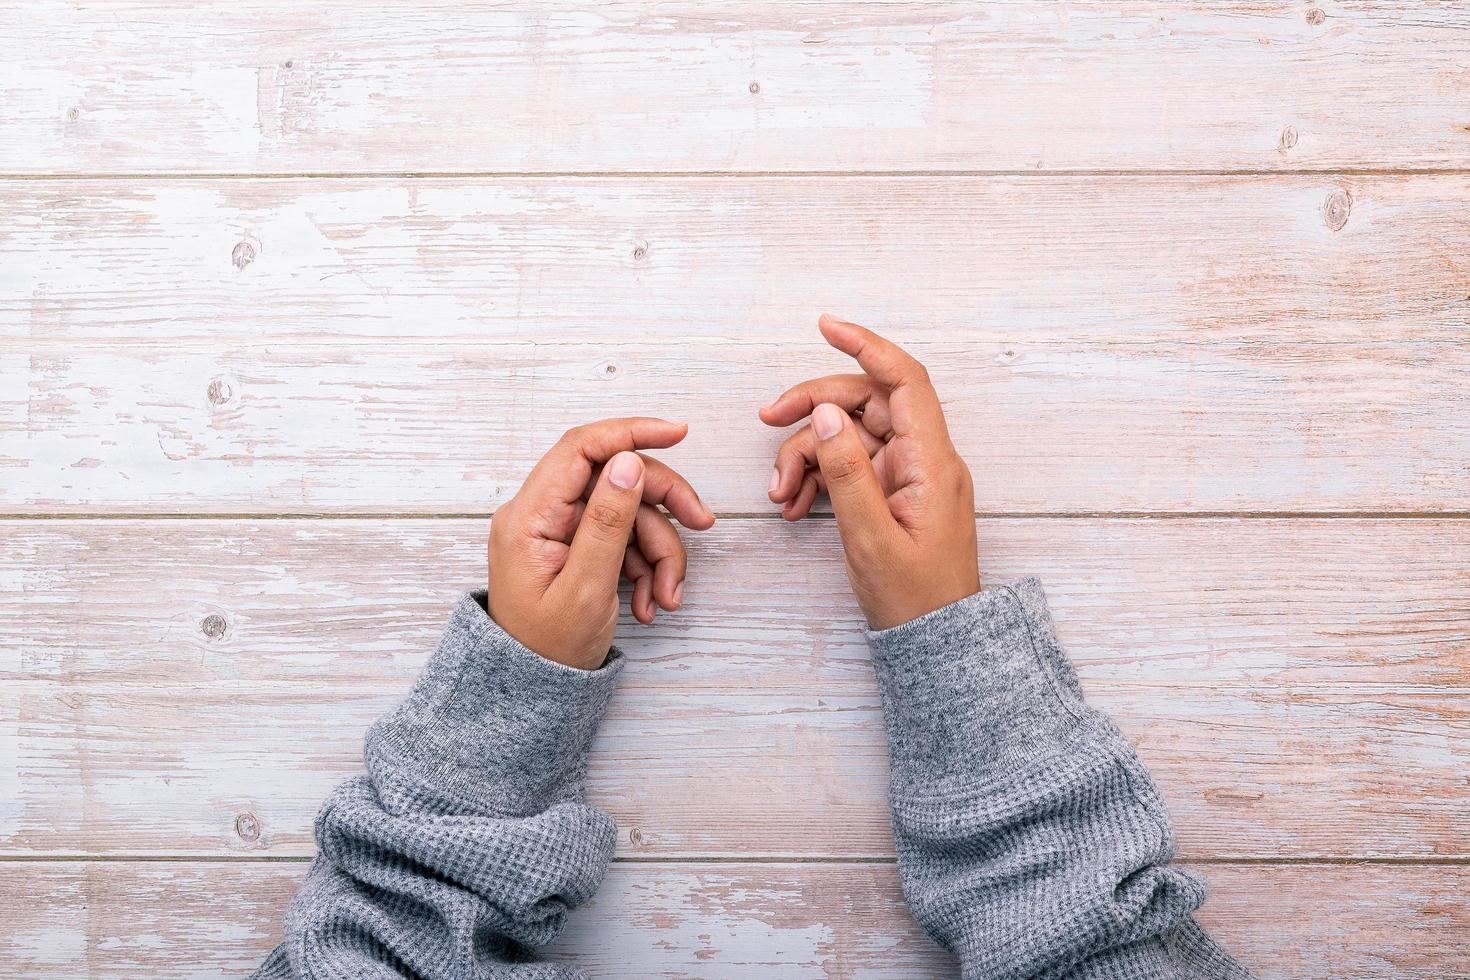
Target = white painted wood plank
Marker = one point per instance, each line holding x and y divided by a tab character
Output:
1296	686
439	428
185	920
1154	603
278	86
691	260
242	768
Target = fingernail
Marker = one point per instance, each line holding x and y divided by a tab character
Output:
625	470
679	594
775	481
827	420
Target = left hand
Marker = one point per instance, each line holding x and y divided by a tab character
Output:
588	511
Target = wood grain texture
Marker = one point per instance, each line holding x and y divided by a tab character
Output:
1295	686
1213	603
183	920
1327	258
280	86
439	428
273	258
242	768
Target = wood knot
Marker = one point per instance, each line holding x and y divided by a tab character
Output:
243	255
1315	16
289	64
1288	139
755	88
248	827
213	626
608	369
1336	208
73	113
635	837
220	391
640	249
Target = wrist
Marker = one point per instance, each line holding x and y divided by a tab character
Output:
552	641
899	602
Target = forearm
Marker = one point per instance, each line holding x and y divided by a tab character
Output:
467	841
1031	840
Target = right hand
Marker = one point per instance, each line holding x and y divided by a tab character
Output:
904	499
588	511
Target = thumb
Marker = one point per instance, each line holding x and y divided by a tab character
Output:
862	510
596	554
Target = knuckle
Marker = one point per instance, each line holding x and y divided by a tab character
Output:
789	454
604	518
842	468
502	523
954	474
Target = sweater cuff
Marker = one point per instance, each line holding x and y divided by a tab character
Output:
975	689
491	727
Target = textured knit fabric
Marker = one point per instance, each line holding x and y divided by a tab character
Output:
1031	840
467	842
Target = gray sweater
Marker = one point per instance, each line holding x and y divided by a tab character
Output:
1031	840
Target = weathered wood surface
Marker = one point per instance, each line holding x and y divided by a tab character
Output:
1024	260
439	428
1211	603
284	86
1208	257
197	687
726	921
235	768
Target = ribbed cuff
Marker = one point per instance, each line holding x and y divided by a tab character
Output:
974	689
491	727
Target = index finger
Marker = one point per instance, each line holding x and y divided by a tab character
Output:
564	471
662	484
910	391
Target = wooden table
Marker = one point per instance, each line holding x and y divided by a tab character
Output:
292	294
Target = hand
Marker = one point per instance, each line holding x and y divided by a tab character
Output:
557	547
904	499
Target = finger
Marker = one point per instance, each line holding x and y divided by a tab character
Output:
660	546
563	473
662	484
801	505
882	360
892	366
565	523
642	601
857	499
635	566
597	548
637	570
849	392
799	454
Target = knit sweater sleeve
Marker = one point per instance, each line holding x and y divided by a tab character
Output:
1031	840
467	842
